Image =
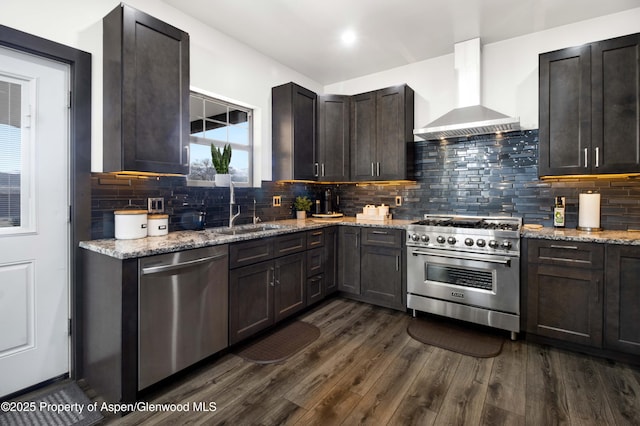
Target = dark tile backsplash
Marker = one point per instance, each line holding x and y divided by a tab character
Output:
482	175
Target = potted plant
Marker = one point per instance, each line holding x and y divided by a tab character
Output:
302	206
220	160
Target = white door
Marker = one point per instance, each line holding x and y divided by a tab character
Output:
34	224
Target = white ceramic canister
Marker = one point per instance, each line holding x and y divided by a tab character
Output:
130	224
370	210
383	210
157	225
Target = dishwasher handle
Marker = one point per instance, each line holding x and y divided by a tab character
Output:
173	266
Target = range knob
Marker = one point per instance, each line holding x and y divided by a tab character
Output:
506	245
441	239
468	242
451	240
415	237
493	244
481	243
425	238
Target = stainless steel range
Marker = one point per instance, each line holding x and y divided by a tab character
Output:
466	267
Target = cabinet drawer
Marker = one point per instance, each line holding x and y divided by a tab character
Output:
315	238
568	253
289	243
315	261
382	237
250	252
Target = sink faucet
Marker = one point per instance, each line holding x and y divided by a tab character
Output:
256	219
232	201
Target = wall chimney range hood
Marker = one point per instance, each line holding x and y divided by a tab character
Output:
470	118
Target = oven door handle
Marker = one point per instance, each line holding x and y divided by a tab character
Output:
501	260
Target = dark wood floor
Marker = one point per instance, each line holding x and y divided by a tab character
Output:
365	369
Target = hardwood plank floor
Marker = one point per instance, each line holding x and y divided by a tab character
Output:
365	369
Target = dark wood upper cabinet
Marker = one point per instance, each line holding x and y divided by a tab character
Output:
381	134
333	138
293	132
145	93
589	104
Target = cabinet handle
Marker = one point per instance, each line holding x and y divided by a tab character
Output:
380	232
277	275
372	172
322	169
586	158
597	156
315	169
273	276
378	169
563	247
397	263
186	148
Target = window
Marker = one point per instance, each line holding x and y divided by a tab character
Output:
16	146
219	123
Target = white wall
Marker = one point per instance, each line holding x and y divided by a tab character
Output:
219	65
509	70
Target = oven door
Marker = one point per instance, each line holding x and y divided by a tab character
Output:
481	280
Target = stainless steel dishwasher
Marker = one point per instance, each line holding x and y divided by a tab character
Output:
182	310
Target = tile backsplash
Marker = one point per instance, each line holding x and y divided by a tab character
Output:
481	175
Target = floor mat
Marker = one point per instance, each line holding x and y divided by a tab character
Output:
62	405
280	344
463	338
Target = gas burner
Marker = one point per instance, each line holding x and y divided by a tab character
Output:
467	233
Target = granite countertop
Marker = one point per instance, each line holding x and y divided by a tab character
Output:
570	234
186	240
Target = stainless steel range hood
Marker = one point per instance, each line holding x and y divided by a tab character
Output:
470	118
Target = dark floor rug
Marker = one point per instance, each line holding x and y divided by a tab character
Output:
280	344
51	409
463	338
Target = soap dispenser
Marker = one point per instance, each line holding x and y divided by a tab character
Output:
558	212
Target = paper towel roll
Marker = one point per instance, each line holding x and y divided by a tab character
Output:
589	215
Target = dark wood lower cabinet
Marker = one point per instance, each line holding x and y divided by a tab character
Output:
565	303
622	299
381	276
331	251
315	289
290	294
371	266
250	300
584	296
349	262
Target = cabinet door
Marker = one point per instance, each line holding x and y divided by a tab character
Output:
394	127
565	303
251	291
290	285
349	261
381	276
333	138
315	289
363	136
622	316
293	132
565	111
146	94
331	260
615	81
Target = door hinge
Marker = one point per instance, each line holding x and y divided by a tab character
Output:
70	325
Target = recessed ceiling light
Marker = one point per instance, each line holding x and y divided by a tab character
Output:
348	37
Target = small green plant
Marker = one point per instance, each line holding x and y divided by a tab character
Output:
221	159
302	204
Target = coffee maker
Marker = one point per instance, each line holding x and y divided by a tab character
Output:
329	201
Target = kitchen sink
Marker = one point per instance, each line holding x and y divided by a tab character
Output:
247	229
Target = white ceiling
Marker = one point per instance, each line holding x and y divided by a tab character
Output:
305	35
